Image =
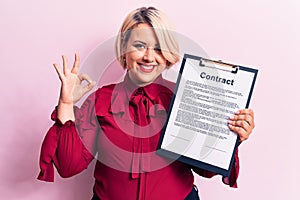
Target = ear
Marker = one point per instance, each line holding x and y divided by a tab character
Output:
123	56
124	62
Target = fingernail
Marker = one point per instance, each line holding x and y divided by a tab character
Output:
237	112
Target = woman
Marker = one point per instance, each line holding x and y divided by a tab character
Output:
121	123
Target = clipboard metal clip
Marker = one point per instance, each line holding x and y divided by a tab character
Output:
219	65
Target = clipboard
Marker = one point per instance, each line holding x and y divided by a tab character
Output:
207	93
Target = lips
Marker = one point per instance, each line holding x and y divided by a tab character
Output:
146	68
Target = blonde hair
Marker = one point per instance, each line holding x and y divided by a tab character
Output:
161	26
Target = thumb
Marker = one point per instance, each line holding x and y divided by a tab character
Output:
88	87
85	77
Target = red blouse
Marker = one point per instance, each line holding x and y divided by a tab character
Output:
120	125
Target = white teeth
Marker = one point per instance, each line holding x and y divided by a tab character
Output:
147	67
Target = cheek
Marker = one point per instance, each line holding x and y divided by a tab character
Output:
134	55
132	58
161	68
162	60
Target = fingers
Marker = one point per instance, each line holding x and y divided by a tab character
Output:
59	72
65	64
85	77
76	64
246	115
242	123
66	70
90	85
65	67
242	128
238	130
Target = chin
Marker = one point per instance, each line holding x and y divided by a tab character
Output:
145	81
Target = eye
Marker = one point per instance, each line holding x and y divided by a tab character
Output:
157	49
139	46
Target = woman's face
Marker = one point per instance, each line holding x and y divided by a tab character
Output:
144	59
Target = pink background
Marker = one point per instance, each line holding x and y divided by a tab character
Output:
263	34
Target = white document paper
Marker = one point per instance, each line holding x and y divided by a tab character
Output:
197	127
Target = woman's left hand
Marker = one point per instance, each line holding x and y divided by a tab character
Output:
242	123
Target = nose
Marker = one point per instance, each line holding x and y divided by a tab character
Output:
149	54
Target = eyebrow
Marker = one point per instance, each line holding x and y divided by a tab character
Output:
139	41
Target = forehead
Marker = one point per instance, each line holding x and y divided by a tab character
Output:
144	33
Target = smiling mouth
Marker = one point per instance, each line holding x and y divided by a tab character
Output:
147	68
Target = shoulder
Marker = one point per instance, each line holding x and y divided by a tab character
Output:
105	90
104	96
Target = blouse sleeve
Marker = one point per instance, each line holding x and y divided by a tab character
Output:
231	180
69	146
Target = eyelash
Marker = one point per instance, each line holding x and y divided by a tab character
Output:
142	46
